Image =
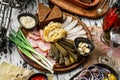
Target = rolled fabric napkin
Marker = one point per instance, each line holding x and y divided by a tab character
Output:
12	72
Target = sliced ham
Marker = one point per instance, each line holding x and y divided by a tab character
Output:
37	42
35	32
41	52
32	42
44	46
41	34
33	36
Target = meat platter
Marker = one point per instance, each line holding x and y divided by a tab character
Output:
78	29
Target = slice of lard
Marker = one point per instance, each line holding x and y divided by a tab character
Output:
67	21
76	29
71	25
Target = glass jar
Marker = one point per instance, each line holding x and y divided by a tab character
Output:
111	19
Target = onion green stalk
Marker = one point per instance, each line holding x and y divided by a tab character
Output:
25	47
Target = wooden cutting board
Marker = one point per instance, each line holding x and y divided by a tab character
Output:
71	7
58	68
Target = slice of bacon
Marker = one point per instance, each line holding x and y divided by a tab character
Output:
41	52
35	32
44	46
32	42
41	34
33	36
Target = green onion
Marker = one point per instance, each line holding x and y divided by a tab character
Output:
25	47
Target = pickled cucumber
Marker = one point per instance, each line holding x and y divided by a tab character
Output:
57	54
71	59
61	60
73	55
67	61
67	44
67	47
69	41
61	49
51	53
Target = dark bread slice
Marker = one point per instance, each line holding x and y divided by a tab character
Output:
43	12
55	15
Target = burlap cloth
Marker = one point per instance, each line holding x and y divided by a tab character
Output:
100	53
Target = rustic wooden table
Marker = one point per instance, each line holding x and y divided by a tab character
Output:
15	58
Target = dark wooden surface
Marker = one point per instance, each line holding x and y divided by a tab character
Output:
73	8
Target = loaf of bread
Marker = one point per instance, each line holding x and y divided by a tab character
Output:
43	12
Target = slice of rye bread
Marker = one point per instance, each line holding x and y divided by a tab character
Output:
55	15
43	12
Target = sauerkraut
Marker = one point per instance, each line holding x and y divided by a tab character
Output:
53	32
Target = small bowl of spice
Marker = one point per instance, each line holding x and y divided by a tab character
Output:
84	46
38	76
28	20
